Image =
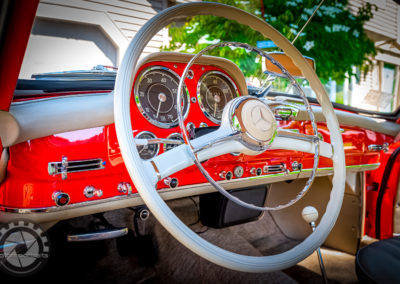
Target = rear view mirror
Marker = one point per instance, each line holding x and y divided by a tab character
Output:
286	62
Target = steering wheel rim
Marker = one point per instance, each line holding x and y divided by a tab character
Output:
140	175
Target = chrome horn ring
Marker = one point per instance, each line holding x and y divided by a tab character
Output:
241	134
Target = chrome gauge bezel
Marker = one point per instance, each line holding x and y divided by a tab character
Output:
157	123
200	101
153	136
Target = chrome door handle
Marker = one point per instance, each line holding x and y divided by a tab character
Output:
376	147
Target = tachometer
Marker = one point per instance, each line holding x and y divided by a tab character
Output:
155	95
214	90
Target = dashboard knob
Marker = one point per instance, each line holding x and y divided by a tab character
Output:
171	182
309	214
124	187
256	171
226	175
144	214
60	198
90	191
238	171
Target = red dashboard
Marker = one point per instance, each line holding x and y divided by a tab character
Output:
86	165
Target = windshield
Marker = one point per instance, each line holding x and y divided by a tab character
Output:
354	44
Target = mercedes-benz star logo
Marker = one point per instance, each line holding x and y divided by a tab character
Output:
24	248
260	118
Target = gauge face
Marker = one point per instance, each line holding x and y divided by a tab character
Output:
214	91
149	151
155	95
173	136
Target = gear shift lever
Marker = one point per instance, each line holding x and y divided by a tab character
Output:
310	215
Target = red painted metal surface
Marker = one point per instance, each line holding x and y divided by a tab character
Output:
29	185
15	39
374	180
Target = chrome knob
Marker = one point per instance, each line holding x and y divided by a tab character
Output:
225	175
254	171
171	182
238	171
60	198
90	191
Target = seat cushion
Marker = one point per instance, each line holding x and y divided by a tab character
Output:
379	262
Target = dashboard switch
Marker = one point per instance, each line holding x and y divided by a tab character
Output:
225	175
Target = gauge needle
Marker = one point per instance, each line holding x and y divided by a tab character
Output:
161	98
217	99
215	108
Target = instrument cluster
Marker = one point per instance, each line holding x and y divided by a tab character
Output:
206	91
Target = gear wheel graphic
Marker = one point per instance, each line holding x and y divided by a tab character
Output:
24	248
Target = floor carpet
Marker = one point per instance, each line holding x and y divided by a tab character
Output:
100	262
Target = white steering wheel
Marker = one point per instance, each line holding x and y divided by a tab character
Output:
146	174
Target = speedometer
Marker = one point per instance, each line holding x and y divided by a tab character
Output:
214	91
155	95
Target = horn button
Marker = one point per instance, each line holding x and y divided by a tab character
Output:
257	122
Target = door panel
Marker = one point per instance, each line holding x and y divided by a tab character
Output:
382	197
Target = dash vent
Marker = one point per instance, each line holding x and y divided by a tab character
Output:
274	169
64	167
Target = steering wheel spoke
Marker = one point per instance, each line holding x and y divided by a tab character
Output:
214	144
287	140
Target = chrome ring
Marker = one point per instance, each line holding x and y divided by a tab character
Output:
200	101
193	154
139	106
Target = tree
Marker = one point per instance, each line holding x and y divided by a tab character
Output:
335	37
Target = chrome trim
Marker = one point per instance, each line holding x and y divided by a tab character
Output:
144	142
154	137
199	99
65	166
284	112
175	137
250	146
90	191
376	147
156	170
98	236
296	135
277	168
60	194
234	182
139	106
51	209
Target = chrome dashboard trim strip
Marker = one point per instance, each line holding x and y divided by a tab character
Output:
167	191
98	236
